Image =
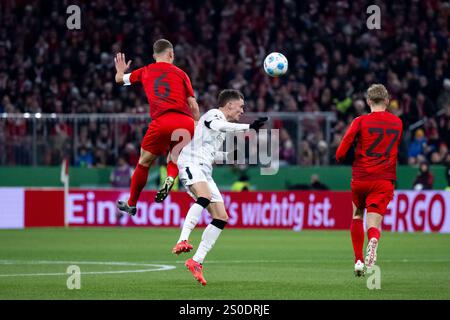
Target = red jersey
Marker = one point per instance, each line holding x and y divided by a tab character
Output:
377	136
167	88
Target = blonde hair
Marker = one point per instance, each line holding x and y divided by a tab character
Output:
377	93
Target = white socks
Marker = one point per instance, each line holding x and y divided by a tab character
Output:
191	221
211	233
209	237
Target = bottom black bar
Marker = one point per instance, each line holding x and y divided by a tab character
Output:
220	309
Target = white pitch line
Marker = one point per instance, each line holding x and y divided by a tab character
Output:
159	267
110	263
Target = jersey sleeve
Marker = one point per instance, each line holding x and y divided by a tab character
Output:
215	122
401	132
348	140
133	77
188	86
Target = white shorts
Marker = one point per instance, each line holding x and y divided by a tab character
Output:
191	173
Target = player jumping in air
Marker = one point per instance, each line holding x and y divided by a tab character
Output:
172	106
195	164
376	137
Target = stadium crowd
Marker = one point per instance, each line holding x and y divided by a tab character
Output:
333	58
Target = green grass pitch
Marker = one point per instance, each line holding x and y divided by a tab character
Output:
244	264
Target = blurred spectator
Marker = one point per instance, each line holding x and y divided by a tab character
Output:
321	154
243	184
131	154
432	137
306	155
121	175
360	107
443	100
44	68
84	158
287	151
337	137
424	180
416	151
439	156
316	184
100	158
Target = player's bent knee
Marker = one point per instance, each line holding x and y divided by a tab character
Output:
146	158
145	163
223	217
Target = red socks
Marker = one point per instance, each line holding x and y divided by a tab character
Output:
138	182
172	169
373	233
357	232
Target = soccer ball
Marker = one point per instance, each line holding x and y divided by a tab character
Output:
275	64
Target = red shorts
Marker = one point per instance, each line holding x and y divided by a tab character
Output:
373	195
158	139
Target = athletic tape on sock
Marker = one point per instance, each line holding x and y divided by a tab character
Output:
203	202
219	223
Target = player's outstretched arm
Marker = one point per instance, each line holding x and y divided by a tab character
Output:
121	67
225	126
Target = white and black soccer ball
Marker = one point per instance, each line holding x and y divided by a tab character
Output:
275	64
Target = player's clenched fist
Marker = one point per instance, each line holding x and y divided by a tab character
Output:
258	123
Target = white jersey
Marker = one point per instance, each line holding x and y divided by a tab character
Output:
209	136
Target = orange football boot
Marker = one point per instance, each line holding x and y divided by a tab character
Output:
183	246
196	269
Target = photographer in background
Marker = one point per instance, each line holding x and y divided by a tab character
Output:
424	180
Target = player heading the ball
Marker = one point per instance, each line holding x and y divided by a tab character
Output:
195	164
